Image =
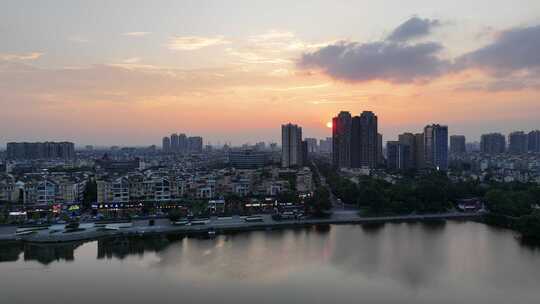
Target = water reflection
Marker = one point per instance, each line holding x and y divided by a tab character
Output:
42	253
121	247
48	253
437	262
10	251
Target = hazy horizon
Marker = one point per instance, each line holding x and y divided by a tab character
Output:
128	73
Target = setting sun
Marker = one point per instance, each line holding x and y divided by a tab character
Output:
329	125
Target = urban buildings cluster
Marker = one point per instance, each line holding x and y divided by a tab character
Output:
502	159
422	150
174	185
40	150
43	189
131	178
49	176
295	151
519	142
355	141
497	167
180	143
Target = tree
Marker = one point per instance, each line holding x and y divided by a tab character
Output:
529	227
287	197
90	194
174	215
509	203
377	201
320	201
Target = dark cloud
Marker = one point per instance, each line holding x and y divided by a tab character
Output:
388	61
512	59
513	50
413	28
392	60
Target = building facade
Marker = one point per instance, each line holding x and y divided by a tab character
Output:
341	140
398	155
368	139
457	144
436	146
291	146
492	143
195	144
517	142
356	142
420	158
174	143
40	150
533	141
409	140
325	145
312	145
166	144
247	159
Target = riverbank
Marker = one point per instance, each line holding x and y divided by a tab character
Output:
89	231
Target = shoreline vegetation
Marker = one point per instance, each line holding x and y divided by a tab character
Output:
508	205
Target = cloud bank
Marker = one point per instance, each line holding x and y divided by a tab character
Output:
513	53
388	61
513	50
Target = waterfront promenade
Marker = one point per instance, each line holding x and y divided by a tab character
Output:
89	231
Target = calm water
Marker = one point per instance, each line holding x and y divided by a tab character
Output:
394	263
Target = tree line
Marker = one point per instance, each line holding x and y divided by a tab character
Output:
512	205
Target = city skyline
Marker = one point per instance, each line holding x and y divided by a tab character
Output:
232	72
308	151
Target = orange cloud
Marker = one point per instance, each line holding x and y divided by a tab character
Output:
190	43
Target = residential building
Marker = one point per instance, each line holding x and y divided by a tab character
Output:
533	141
356	142
195	144
40	150
246	159
380	154
341	140
260	146
368	140
312	145
325	145
166	144
398	155
409	140
517	142
492	143
457	144
291	146
436	146
116	191
183	144
174	143
420	156
305	153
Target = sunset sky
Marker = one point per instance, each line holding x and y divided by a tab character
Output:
128	72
